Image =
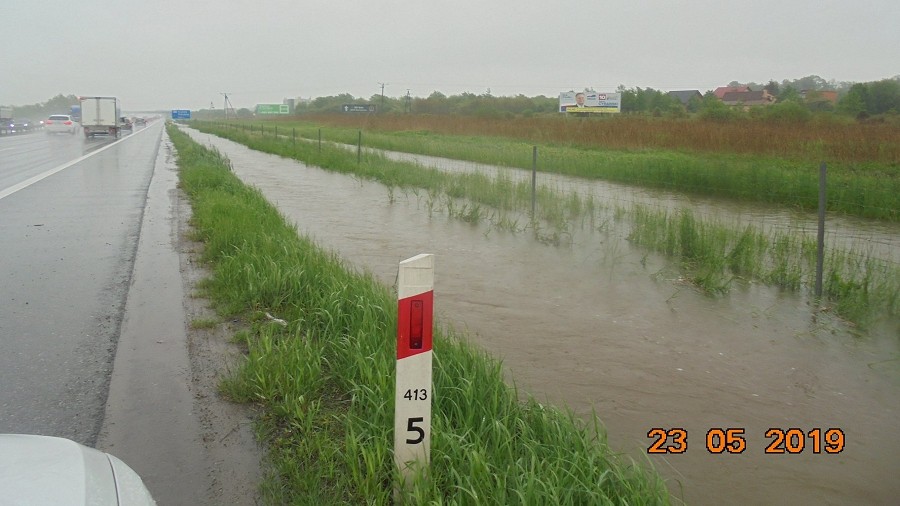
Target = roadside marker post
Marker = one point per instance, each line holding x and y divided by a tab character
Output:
412	406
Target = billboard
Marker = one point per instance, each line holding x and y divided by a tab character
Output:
273	109
582	103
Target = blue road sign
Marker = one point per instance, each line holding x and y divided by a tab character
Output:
181	114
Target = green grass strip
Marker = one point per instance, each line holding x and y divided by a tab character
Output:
325	380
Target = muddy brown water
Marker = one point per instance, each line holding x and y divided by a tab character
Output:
600	326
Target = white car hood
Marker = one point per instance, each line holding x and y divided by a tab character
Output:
47	470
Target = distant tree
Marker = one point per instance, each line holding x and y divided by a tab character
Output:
646	100
884	96
872	98
854	102
816	102
327	104
772	87
789	94
61	103
807	83
695	104
716	110
386	105
436	103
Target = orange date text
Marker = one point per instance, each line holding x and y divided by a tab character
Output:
735	440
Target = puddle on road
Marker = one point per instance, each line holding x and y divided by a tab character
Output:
599	325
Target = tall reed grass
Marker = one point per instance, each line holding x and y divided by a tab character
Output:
326	381
862	289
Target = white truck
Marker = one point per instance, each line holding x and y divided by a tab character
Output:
100	116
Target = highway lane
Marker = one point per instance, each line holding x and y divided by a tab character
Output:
70	216
23	156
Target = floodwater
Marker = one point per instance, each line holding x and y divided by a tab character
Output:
600	326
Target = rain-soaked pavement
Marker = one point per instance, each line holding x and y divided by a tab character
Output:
68	231
599	325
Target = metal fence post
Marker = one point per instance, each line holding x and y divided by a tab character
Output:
533	178
820	243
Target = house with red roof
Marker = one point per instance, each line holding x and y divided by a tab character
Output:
722	90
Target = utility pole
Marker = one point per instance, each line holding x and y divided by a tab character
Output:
228	106
407	101
382	95
225	104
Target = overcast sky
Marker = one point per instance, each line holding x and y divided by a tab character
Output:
183	54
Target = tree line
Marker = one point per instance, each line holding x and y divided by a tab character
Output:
859	100
854	99
60	104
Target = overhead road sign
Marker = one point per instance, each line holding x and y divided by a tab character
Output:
358	108
273	109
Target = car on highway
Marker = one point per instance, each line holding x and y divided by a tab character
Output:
23	125
60	124
51	470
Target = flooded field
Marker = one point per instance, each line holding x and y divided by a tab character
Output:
600	326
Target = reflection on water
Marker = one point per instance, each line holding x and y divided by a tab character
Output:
599	325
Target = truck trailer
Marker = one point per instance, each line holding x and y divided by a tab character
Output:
100	116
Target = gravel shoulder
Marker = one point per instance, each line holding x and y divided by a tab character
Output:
164	414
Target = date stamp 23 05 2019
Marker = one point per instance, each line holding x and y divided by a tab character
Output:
733	440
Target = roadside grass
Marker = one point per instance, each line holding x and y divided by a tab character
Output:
326	378
204	323
859	287
863	182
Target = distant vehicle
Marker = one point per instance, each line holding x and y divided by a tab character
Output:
5	120
23	125
60	124
15	126
140	122
100	116
52	470
126	123
75	112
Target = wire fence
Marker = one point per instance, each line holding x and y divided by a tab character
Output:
860	237
722	237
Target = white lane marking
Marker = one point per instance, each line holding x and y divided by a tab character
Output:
34	179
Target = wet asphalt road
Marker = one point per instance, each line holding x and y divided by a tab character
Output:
67	247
